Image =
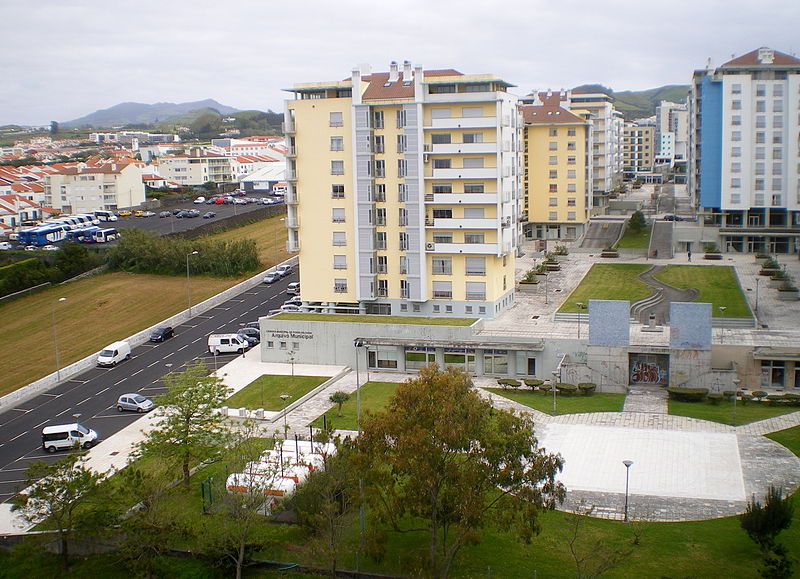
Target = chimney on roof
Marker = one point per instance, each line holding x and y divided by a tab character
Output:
355	80
420	80
408	72
765	55
393	76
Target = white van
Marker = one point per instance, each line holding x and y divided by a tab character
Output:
114	353
66	436
223	343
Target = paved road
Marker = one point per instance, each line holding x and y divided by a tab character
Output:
94	393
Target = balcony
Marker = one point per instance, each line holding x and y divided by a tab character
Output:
444	223
469	248
462	148
463	123
288	127
291	151
462	198
292	222
292	246
463	173
291	197
291	174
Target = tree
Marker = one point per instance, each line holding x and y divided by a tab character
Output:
763	523
339	398
637	222
61	494
324	503
440	453
191	429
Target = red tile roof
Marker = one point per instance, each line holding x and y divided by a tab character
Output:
378	81
548	114
751	59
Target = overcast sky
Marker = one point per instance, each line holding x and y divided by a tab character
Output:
65	59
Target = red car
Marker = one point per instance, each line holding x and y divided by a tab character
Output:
219	200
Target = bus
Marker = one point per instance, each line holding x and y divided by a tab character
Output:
102	215
105	235
83	234
44	234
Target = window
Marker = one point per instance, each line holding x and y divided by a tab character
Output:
552	216
339	238
553	187
736	198
401	119
441	163
553	146
473	238
736	152
570	160
736	120
383	288
377	119
471	112
378	144
571	146
402	218
473	213
339	262
340	286
777	138
554	173
736	105
380	168
571	174
380	217
777	153
442	188
736	167
761	137
403	241
777	106
401	143
760	169
337	143
336	120
553	202
442	88
571	132
337	191
440	113
441	266
736	182
472	138
475	265
380	240
760	187
382	264
337	167
736	135
403	265
570	216
481	87
379	193
473	162
442	213
338	215
777	90
571	188
402	192
440	138
473	187
442	290
402	168
404	290
553	160
476	290
571	202
777	122
736	89
761	122
442	237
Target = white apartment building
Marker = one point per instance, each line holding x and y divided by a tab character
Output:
83	189
672	131
196	167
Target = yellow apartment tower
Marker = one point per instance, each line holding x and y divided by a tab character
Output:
556	174
403	192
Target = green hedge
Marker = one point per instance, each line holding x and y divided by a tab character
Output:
566	389
22	275
587	388
687	394
504	382
533	382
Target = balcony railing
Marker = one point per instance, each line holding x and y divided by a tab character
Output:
442	295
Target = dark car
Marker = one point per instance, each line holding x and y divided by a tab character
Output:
162	333
209	215
192	213
182	214
252	335
165	214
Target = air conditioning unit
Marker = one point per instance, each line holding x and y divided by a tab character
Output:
429	246
425	157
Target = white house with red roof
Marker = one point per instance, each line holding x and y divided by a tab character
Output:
16	209
83	188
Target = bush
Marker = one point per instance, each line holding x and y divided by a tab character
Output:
715	398
22	275
545	387
587	388
530	276
759	394
504	382
745	398
783	399
729	394
533	382
566	389
637	222
561	250
710	248
687	394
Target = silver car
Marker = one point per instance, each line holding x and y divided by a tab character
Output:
134	403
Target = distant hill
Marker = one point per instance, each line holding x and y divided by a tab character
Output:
144	114
207	123
640	104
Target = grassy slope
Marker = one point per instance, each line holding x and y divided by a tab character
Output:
718	286
723	412
631	240
374	396
577	403
608	282
265	391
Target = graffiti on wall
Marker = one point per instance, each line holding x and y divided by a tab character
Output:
649	369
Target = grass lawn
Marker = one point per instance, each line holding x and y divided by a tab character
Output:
374	396
269	235
631	240
718	285
723	412
575	404
608	282
375	319
265	391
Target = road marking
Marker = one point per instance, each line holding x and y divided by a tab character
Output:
21	410
154	363
80	381
101	391
8	482
51	395
198	339
13	469
168	355
17	436
137	372
121	381
63	412
183	347
117	415
45	422
82	401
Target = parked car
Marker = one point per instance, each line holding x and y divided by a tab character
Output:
252	335
283	270
165	214
147	214
134	403
192	213
182	214
255	325
162	333
295	300
287	309
67	436
209	215
271	277
219	200
50	247
199	200
177	210
4	246
293	289
226	343
31	248
240	201
124	213
114	353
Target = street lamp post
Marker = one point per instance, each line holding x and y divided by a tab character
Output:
556	380
736	383
55	339
358	343
627	464
285	397
758	279
188	282
580	309
722	324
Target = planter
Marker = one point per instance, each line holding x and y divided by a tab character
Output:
776	282
712	255
788	295
768	271
609	254
541	276
528	286
553	266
